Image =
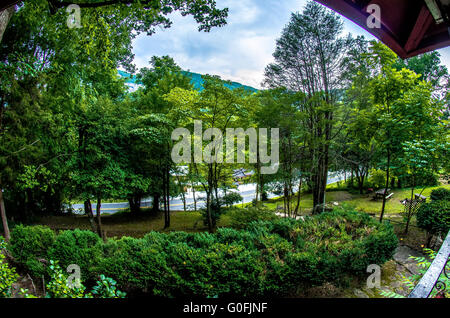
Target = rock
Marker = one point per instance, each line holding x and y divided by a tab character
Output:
359	293
402	256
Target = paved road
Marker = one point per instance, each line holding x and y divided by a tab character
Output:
247	191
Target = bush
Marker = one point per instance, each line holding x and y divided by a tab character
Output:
231	198
138	264
8	275
29	246
429	179
216	213
377	178
58	286
434	217
82	248
240	218
106	288
440	194
266	258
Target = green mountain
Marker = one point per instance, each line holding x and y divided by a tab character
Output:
196	80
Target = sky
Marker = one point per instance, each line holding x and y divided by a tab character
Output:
239	51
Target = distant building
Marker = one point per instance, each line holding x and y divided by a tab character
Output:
242	174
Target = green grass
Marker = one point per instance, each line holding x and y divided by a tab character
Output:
362	202
124	224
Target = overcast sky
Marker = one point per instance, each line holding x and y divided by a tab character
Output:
241	50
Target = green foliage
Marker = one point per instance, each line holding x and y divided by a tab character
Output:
58	286
29	245
240	218
434	217
215	211
440	194
377	178
231	198
8	276
106	288
271	257
77	247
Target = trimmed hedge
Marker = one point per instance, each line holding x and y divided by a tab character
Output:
29	245
434	217
83	248
268	258
440	194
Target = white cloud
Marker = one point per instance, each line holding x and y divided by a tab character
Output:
239	51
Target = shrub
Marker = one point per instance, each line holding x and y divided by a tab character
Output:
377	178
57	286
266	258
434	217
106	288
231	198
8	275
240	218
29	246
440	194
216	213
429	179
138	264
82	248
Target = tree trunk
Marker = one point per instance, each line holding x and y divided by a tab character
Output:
351	179
168	196
193	196
208	212
88	212
156	202
209	198
165	198
183	198
5	16
410	209
298	197
261	188
360	179
135	204
3	214
99	219
387	185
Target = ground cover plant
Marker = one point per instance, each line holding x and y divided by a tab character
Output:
274	257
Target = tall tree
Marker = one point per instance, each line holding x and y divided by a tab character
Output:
140	15
217	107
308	59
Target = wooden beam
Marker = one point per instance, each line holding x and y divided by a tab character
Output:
7	3
352	12
422	25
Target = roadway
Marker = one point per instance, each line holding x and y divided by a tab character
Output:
247	191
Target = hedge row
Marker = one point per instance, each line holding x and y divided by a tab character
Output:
267	258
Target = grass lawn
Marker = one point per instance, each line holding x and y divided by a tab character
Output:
123	224
362	202
393	206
